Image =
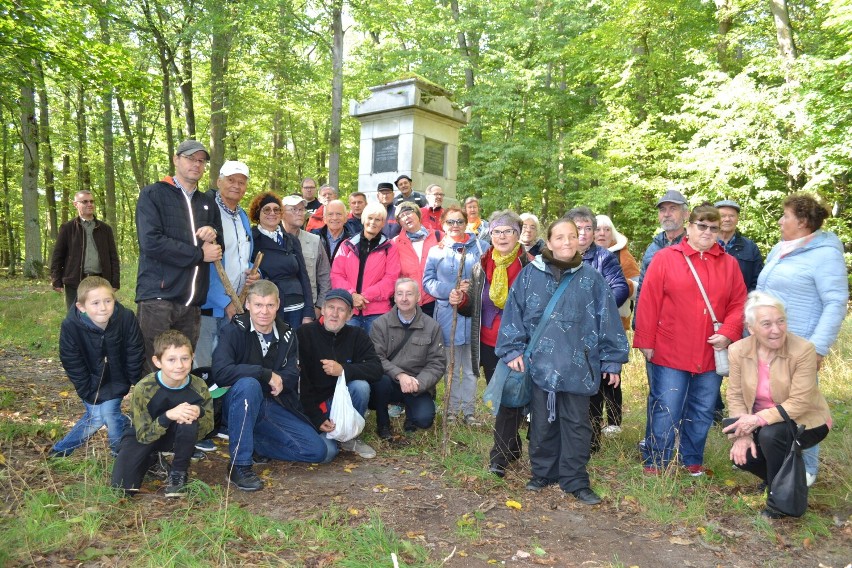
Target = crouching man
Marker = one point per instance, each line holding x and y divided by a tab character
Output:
256	357
326	351
411	347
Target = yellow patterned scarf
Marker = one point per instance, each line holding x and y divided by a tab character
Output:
500	277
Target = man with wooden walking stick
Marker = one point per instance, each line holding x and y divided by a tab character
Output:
180	235
236	234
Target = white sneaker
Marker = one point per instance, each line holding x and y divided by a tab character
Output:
810	478
362	449
395	410
611	430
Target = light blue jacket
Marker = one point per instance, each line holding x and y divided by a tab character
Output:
583	338
217	298
439	278
811	282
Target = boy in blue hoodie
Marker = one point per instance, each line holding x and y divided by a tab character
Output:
101	349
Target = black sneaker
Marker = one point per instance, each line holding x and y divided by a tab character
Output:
206	445
385	432
257	459
244	478
159	469
497	469
586	496
176	484
538	483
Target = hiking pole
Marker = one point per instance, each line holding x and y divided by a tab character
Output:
257	260
226	283
451	363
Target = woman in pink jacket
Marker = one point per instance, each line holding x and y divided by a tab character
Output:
367	266
413	244
674	331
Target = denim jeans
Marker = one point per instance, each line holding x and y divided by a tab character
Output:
107	414
259	423
682	403
419	408
364	322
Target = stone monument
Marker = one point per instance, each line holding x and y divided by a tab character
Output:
409	127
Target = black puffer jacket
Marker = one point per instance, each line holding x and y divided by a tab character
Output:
85	350
238	355
171	262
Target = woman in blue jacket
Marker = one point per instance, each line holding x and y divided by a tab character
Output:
807	272
582	343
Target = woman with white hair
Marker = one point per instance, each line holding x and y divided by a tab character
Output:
367	266
530	229
770	369
608	237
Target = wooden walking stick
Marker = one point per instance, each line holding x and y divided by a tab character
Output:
226	283
451	363
244	294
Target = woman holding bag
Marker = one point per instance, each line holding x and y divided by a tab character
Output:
581	341
675	332
772	368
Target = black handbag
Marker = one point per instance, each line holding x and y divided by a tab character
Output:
788	493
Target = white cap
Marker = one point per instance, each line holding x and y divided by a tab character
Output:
293	200
232	167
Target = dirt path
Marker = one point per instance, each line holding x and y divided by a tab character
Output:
420	501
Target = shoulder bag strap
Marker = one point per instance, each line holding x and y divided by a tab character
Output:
788	420
701	287
548	311
408	332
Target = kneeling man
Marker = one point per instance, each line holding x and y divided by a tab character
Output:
327	350
256	357
411	347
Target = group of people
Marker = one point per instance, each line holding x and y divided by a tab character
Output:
382	292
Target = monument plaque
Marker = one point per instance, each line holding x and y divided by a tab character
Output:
385	153
434	157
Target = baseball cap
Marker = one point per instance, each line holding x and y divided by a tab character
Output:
293	200
190	147
339	294
728	203
403	176
385	186
672	196
232	167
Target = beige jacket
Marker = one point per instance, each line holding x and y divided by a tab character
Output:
792	382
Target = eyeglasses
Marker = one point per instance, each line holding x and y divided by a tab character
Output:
504	233
405	213
299	211
455	222
86	201
438	195
702	227
271	210
309	187
584	229
200	162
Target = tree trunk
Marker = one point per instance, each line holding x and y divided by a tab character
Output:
108	138
9	255
186	90
138	174
47	149
336	93
726	20
66	155
33	262
223	31
783	29
84	179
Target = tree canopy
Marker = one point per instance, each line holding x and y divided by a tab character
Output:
606	104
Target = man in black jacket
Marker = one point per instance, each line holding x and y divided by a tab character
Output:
180	234
326	351
256	359
84	247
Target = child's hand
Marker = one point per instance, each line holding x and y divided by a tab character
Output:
184	413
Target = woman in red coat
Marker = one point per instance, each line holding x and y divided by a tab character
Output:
674	331
413	243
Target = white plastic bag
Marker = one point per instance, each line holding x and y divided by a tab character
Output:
348	423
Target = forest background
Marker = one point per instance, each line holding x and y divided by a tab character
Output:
604	103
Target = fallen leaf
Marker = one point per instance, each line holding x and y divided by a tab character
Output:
354	512
513	505
522	554
679	540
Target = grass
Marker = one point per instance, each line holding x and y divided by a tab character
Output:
75	510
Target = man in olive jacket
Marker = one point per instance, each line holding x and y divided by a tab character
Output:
411	347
